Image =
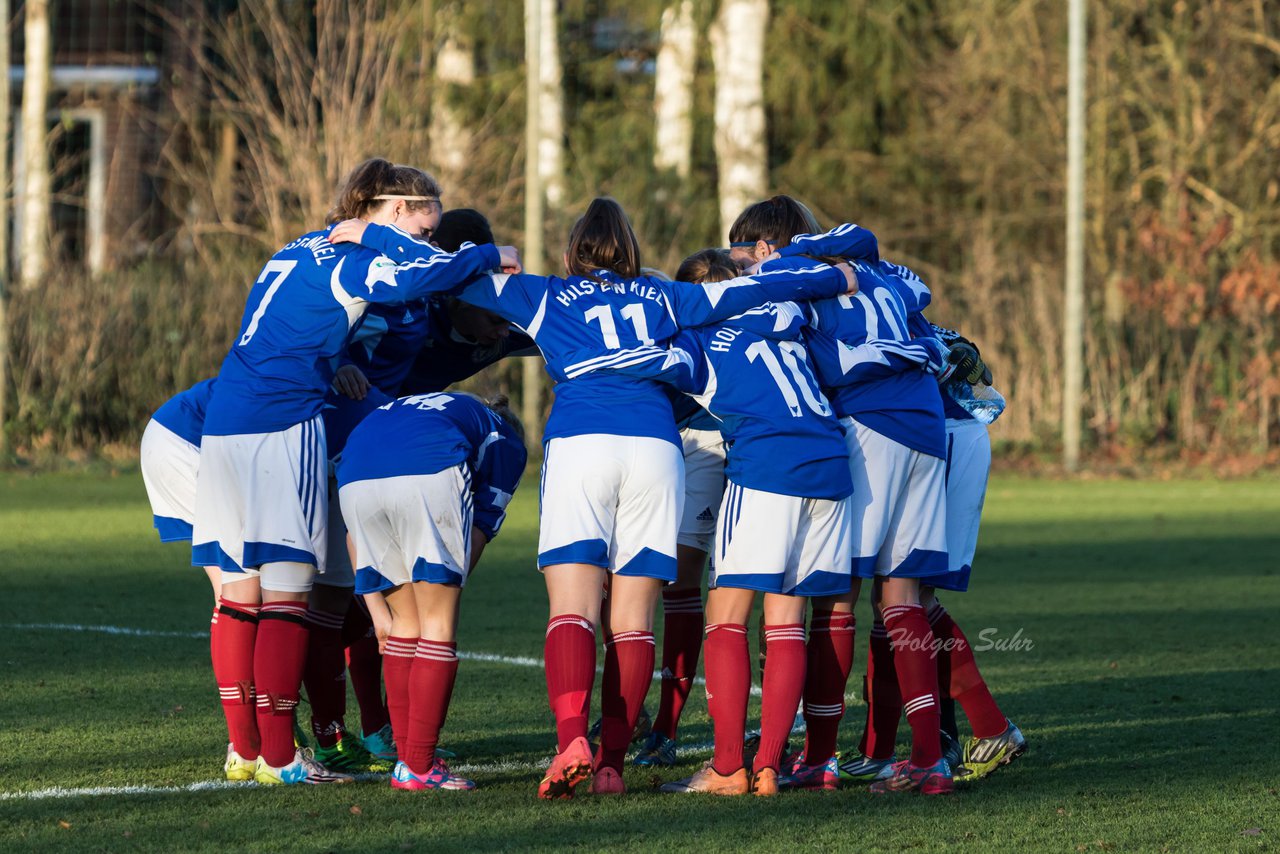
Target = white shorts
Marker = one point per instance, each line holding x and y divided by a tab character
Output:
169	466
411	528
968	466
613	502
703	487
899	507
262	498
783	543
338	571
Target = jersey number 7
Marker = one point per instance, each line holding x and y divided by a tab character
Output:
282	269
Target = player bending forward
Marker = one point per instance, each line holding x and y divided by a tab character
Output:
424	483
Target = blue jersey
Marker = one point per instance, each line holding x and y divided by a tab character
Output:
585	327
429	433
866	358
298	318
752	372
387	341
342	414
846	241
183	413
448	357
691	416
413	349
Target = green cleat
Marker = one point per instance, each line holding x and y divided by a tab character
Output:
984	755
350	756
864	769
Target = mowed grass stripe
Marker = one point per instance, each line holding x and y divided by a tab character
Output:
1148	696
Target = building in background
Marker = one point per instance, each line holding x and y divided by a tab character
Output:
109	62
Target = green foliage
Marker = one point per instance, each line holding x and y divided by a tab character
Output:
940	124
1147	696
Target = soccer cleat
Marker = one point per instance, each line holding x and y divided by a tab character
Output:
439	777
952	750
709	782
934	780
764	783
864	769
608	782
237	768
350	755
751	746
801	776
382	744
644	726
303	769
569	768
984	755
657	750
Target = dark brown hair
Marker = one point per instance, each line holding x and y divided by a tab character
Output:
459	226
708	265
602	239
501	406
775	220
379	177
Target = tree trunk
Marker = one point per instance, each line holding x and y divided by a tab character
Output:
737	49
673	89
33	251
455	69
551	107
4	229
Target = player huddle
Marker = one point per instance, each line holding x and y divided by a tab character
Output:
782	407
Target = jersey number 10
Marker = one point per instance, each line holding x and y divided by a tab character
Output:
794	356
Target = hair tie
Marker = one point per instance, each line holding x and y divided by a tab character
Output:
390	197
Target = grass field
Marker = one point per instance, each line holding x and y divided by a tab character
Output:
1149	696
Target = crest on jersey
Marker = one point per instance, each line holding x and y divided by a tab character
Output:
381	270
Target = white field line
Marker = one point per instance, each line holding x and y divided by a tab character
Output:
502	767
488	657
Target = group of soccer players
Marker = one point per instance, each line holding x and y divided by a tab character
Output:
782	407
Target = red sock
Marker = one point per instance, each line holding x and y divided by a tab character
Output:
958	676
830	659
784	669
883	697
628	672
681	644
278	659
430	687
570	656
397	665
325	676
913	658
231	642
728	669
